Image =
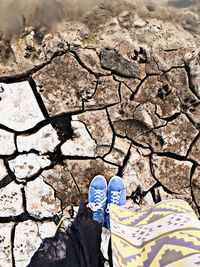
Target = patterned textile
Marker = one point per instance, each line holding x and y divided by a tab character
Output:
168	234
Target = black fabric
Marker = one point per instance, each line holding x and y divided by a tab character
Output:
78	247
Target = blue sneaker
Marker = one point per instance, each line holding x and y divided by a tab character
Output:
97	198
116	195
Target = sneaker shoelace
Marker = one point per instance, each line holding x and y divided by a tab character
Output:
98	201
115	197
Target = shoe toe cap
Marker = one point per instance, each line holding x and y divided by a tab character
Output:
99	182
116	184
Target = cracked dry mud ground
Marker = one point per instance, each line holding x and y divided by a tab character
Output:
116	93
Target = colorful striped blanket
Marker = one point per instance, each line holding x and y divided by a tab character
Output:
168	234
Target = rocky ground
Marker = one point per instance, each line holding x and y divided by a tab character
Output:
113	93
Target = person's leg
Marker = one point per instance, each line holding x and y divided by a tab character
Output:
98	197
116	195
80	245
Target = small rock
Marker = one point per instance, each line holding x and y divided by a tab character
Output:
147	201
24	112
40	199
77	146
27	165
5	240
46	229
75	211
131	205
11	202
139	23
112	60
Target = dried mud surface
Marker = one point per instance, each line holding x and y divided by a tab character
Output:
116	92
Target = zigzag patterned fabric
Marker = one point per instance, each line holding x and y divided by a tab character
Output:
168	234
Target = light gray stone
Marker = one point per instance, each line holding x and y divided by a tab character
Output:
27	165
11	202
131	205
18	106
41	200
46	229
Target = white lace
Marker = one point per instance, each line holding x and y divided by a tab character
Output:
98	201
115	196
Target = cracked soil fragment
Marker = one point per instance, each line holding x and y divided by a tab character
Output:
77	145
28	239
63	84
45	140
98	126
27	165
24	111
41	201
11	202
5	241
137	173
116	92
173	174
